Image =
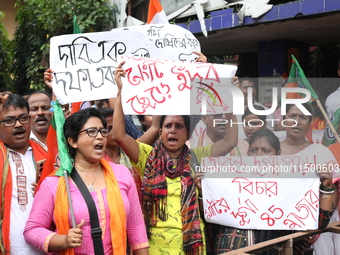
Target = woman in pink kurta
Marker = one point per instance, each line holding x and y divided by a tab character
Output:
41	217
41	231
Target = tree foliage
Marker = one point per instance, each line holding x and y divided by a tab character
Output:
5	57
324	64
38	21
324	61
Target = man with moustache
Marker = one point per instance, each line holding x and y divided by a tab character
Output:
19	160
40	104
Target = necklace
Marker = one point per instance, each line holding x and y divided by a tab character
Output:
90	187
174	158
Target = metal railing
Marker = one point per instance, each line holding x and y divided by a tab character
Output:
284	242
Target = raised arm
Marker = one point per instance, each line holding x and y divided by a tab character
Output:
328	200
200	57
328	191
3	99
124	141
152	134
48	77
230	139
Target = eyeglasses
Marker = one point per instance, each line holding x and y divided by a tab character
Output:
10	122
93	132
296	117
218	116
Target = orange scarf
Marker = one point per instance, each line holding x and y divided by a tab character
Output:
116	207
39	153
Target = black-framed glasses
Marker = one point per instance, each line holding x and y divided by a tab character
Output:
93	132
10	122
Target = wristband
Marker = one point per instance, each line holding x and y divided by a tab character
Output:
326	192
326	189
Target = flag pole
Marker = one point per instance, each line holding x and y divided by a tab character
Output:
73	218
314	95
64	158
327	120
66	165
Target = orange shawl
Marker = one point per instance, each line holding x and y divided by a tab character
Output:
39	153
116	207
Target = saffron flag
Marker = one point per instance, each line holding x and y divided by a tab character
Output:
51	154
156	14
57	154
296	75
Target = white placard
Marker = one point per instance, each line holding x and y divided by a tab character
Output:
261	192
84	64
262	203
161	87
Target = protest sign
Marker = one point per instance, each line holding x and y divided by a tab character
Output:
262	203
161	87
265	192
170	42
84	64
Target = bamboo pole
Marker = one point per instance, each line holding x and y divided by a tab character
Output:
73	219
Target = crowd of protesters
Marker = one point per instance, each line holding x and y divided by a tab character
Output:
135	191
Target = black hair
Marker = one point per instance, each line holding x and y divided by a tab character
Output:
306	105
16	101
186	119
101	102
257	107
39	92
106	112
270	136
74	124
141	118
251	79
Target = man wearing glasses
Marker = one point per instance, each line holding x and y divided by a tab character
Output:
19	158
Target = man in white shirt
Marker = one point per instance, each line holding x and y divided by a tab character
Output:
332	105
19	160
40	104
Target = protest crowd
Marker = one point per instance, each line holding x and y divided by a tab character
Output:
87	178
147	197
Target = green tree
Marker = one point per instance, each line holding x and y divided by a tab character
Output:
38	21
324	64
5	56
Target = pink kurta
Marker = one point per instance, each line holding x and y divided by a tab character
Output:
37	231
